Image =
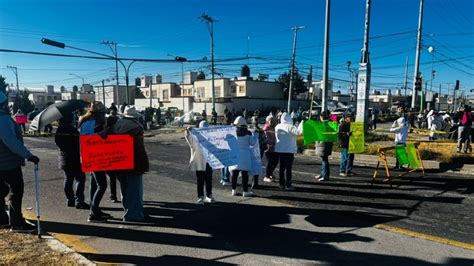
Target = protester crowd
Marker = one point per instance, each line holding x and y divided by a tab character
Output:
276	142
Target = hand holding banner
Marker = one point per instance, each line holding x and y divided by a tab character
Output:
113	153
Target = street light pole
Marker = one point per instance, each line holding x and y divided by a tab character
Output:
103	91
326	57
417	56
15	71
113	46
210	23
292	74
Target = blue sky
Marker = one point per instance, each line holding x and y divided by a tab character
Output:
154	29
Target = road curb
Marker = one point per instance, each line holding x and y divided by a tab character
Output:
371	161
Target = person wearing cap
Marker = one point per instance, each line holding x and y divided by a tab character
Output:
131	181
12	157
93	122
198	163
323	150
286	148
245	141
270	154
67	140
347	160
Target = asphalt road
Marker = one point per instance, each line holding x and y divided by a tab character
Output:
318	223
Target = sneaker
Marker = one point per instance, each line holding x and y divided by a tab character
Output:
247	194
225	183
71	203
267	179
113	200
234	192
209	199
104	214
83	206
200	200
289	188
96	219
317	177
322	179
351	174
26	227
342	174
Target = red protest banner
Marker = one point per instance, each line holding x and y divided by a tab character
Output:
113	153
21	119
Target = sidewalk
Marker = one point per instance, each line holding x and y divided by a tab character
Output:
371	160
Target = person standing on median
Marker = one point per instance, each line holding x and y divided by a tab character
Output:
67	140
131	181
245	141
92	123
270	154
286	148
12	157
347	159
324	149
198	163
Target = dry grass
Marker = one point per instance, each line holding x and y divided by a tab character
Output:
24	249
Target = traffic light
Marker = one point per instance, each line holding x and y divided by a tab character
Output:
418	84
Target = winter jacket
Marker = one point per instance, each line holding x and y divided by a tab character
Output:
67	140
270	136
344	128
197	161
12	151
323	148
286	134
245	141
133	128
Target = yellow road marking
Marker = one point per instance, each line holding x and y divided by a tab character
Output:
425	236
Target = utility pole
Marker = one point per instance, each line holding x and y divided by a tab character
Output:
326	57
310	90
439	98
363	84
406	76
422	95
151	94
103	91
417	56
210	24
292	74
15	71
113	46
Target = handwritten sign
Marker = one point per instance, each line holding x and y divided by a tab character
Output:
218	144
113	153
356	140
21	119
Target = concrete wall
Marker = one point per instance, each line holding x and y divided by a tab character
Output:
258	89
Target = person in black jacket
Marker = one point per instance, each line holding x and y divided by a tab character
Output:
110	122
347	160
67	140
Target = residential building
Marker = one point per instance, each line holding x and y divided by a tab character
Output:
113	95
42	97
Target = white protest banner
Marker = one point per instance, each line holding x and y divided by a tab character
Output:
255	157
218	145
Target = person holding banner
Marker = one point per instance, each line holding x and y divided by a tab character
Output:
12	157
271	155
21	119
131	181
400	128
347	159
245	141
286	148
92	123
198	163
324	149
67	140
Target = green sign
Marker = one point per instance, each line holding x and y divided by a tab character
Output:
320	131
356	139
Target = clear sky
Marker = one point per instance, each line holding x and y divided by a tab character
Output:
154	29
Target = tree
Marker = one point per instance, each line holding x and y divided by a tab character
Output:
245	71
3	85
298	83
22	102
201	76
139	94
75	88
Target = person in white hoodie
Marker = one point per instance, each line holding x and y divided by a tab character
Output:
285	146
400	127
198	163
245	141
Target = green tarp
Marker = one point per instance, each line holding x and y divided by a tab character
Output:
401	155
413	159
356	140
320	131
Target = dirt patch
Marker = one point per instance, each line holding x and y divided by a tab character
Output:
24	249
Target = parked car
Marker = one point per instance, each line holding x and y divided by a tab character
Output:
191	118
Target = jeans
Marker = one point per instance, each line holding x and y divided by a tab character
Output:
132	197
225	174
245	179
204	177
113	185
69	177
97	190
347	160
463	138
272	162
11	181
286	164
325	166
